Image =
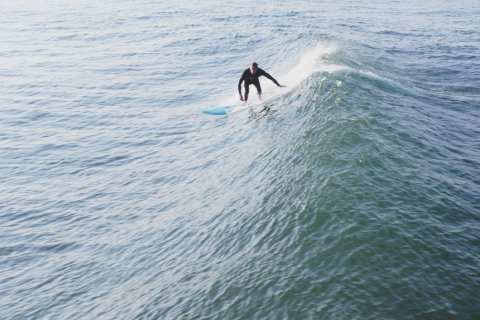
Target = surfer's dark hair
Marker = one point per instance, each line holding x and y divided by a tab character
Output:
254	64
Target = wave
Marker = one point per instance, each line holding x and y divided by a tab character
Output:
309	63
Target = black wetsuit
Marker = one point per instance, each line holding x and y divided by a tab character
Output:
250	78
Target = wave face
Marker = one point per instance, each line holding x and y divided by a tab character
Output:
354	193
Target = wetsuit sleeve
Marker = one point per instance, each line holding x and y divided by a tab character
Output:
240	82
269	77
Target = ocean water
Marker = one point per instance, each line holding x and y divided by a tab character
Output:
353	194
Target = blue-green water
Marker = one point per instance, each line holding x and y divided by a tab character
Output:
355	194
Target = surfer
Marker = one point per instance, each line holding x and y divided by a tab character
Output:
250	76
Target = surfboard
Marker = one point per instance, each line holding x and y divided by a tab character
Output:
222	110
268	97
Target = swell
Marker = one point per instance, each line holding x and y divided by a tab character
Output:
343	196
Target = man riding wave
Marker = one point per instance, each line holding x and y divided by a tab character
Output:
250	76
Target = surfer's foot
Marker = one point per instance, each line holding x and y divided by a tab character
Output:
259	95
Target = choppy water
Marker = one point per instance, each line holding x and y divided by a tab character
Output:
354	195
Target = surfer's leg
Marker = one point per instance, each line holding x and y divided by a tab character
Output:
245	98
259	89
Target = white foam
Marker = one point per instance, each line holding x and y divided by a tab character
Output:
309	63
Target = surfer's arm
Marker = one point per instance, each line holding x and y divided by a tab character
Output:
240	83
242	78
270	77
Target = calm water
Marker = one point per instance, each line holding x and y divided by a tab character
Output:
354	194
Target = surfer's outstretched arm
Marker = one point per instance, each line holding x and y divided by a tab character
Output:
263	73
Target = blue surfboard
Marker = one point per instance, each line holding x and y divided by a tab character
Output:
222	110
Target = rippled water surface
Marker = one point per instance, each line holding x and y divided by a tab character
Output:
353	194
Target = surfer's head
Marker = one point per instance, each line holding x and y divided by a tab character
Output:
253	67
